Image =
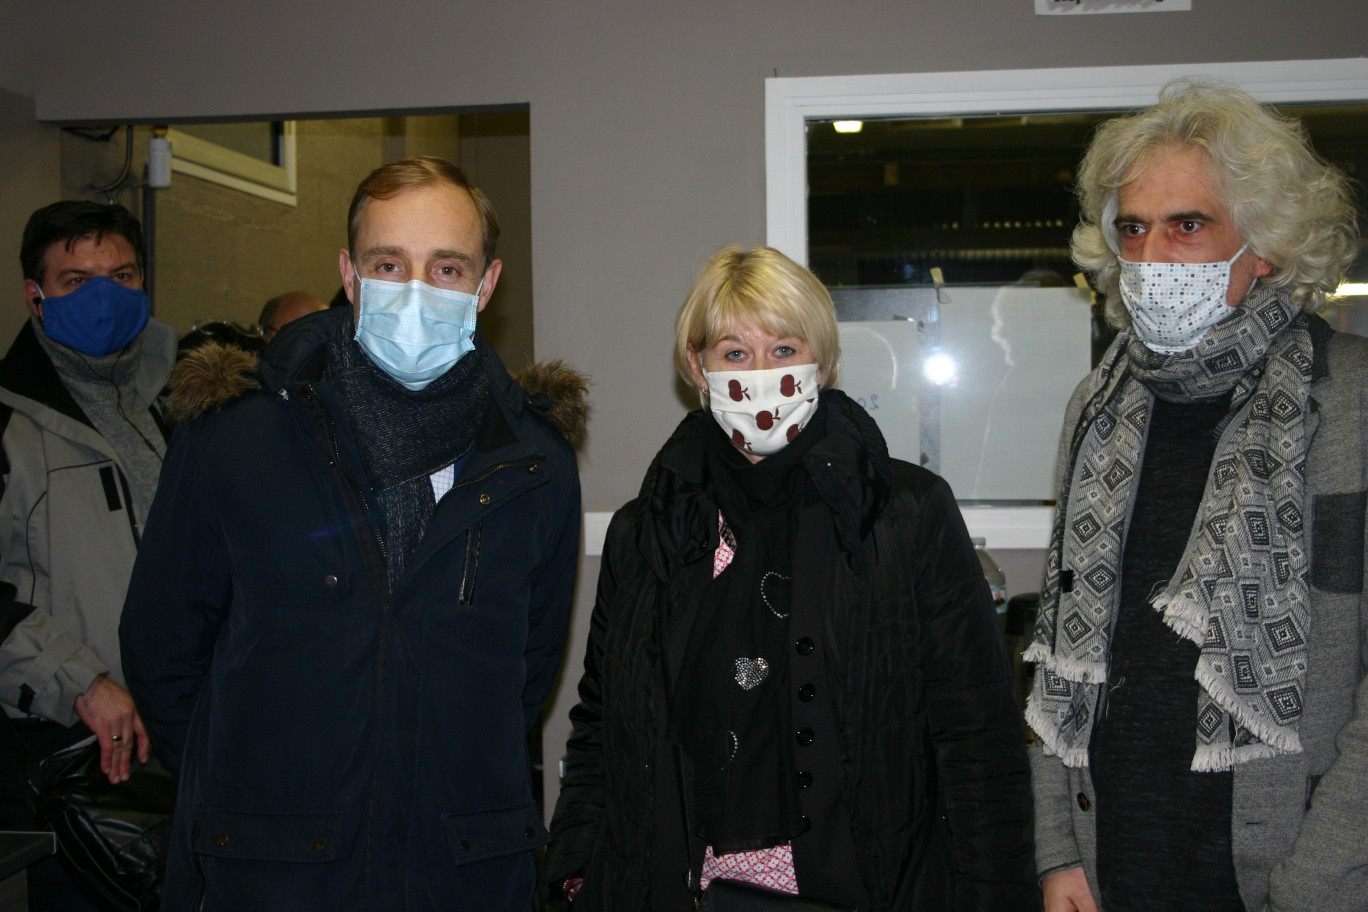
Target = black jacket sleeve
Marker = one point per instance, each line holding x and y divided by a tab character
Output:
581	807
976	728
178	598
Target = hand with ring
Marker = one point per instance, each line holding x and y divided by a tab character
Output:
108	711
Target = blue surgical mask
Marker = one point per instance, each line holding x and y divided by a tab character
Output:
413	331
99	318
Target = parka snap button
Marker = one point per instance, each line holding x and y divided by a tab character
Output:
330	581
534	469
805	646
804	779
465	846
318	845
1083	801
807	693
484	499
529	832
805	736
221	839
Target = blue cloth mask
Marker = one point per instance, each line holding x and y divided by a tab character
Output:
99	318
413	331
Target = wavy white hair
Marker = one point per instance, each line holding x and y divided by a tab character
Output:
1294	209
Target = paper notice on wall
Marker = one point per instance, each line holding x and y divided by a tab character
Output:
1077	7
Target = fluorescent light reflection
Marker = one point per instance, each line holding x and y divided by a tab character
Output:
1352	289
939	368
848	126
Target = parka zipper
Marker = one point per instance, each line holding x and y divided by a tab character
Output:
197	898
492	469
385	600
337	462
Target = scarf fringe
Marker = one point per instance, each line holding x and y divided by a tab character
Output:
1212	758
1079	671
1275	738
1183	616
1037	652
1047	734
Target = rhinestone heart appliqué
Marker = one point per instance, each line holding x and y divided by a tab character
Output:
751	672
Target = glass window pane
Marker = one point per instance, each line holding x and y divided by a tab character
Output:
945	243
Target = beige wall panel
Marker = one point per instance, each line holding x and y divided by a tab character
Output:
223	253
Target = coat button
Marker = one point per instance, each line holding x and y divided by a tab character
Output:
807	693
1083	801
805	646
484	499
804	779
319	845
529	832
221	839
465	846
804	824
805	736
330	581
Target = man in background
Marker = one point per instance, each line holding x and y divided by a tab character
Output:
83	440
1200	694
285	308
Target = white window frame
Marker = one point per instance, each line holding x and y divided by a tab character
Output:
790	102
217	164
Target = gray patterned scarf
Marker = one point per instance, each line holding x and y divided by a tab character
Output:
1240	592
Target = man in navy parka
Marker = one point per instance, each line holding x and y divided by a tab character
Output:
353	590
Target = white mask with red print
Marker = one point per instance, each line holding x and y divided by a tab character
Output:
763	410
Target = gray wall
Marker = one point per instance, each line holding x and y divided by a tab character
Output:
647	125
31	165
496	154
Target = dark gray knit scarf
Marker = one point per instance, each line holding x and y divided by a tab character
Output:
404	435
1240	592
106	388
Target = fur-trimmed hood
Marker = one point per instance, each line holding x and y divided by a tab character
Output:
209	377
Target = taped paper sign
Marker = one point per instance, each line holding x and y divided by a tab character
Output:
1077	7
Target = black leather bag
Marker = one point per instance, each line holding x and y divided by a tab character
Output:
731	896
112	839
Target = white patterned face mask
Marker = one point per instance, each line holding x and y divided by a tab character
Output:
1172	305
763	410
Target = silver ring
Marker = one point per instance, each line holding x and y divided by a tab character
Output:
116	737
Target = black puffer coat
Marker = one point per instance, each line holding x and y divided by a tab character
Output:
933	772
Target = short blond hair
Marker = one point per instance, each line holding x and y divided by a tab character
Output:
761	286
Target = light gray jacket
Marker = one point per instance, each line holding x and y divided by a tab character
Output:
67	536
1299	823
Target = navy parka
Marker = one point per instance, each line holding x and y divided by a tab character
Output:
339	748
